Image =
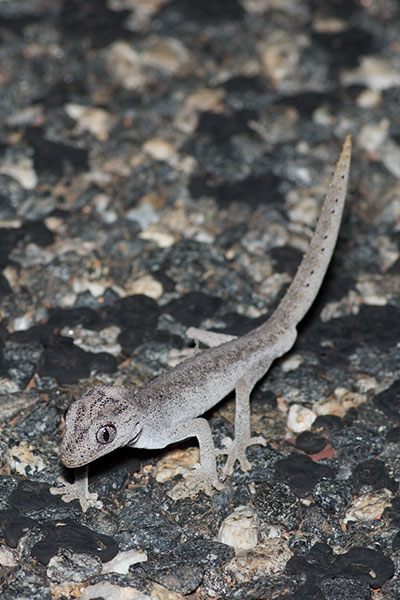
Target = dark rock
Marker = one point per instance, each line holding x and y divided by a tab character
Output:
388	401
192	308
301	473
369	566
182	569
31	496
372	473
277	505
77	538
68	363
310	442
175	576
393	435
333	496
14	526
345	588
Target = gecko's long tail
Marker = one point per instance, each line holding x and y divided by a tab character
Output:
308	279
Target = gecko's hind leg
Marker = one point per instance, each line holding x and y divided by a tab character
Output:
208	338
236	448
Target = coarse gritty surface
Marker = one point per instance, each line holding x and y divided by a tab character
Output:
166	410
162	166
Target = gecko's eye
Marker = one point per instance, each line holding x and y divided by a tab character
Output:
106	434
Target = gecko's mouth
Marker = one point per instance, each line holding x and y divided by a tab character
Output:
73	464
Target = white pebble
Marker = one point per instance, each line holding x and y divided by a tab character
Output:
123	560
267	559
369	507
240	529
300	418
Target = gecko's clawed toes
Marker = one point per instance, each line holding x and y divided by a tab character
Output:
237	452
227	443
258	439
239	455
72	491
200	479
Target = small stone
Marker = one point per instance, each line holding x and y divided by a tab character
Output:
160	149
268	558
55	224
12	276
123	560
300	418
369	99
70	566
7	557
390	156
96	288
175	463
21	459
124	66
7	386
373	136
280	54
163	239
95	120
339	402
203	99
366	383
369	506
388	253
146	285
159	592
374	72
240	529
302	207
105	589
22	170
323	24
22	323
167	54
291	363
90	340
146	213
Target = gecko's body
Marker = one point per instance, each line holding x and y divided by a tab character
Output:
168	408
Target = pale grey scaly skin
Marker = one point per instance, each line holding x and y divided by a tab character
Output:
168	408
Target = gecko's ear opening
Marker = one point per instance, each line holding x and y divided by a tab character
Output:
136	433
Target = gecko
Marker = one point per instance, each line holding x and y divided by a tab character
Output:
168	409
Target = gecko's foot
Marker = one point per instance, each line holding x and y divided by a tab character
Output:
237	451
194	481
75	491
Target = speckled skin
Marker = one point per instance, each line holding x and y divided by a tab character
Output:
167	410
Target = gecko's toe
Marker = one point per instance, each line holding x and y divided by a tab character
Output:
239	455
218	485
257	440
227	443
237	452
194	481
72	491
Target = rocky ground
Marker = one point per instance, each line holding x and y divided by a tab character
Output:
162	165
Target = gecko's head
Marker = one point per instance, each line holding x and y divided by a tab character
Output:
102	420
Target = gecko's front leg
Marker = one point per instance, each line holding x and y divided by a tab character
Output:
204	476
79	490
